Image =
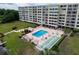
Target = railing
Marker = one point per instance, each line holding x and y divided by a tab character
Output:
50	42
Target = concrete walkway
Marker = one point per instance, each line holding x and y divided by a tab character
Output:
14	31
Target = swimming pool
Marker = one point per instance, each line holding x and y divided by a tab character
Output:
39	33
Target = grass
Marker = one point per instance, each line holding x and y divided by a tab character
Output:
67	30
73	43
70	46
19	24
14	44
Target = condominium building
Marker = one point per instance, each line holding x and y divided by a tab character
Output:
52	15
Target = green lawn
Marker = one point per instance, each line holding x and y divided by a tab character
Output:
8	26
14	44
73	44
70	46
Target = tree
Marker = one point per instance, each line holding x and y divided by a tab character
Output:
8	15
7	18
2	11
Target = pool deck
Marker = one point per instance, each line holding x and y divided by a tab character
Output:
40	41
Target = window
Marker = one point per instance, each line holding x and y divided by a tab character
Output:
69	12
46	17
63	6
39	14
52	18
56	8
61	18
70	5
75	5
39	17
77	25
62	23
46	14
72	25
77	22
39	6
73	18
51	8
69	8
68	15
74	12
74	8
62	15
73	15
72	22
64	9
53	12
67	24
52	15
35	14
39	11
67	21
78	18
30	16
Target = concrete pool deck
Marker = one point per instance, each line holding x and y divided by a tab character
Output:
39	41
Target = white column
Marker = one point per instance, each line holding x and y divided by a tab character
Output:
76	17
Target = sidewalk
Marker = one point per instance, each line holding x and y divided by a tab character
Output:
14	31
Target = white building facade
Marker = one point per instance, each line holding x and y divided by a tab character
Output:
52	15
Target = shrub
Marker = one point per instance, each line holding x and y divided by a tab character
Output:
14	28
9	15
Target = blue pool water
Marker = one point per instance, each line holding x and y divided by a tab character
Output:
39	33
